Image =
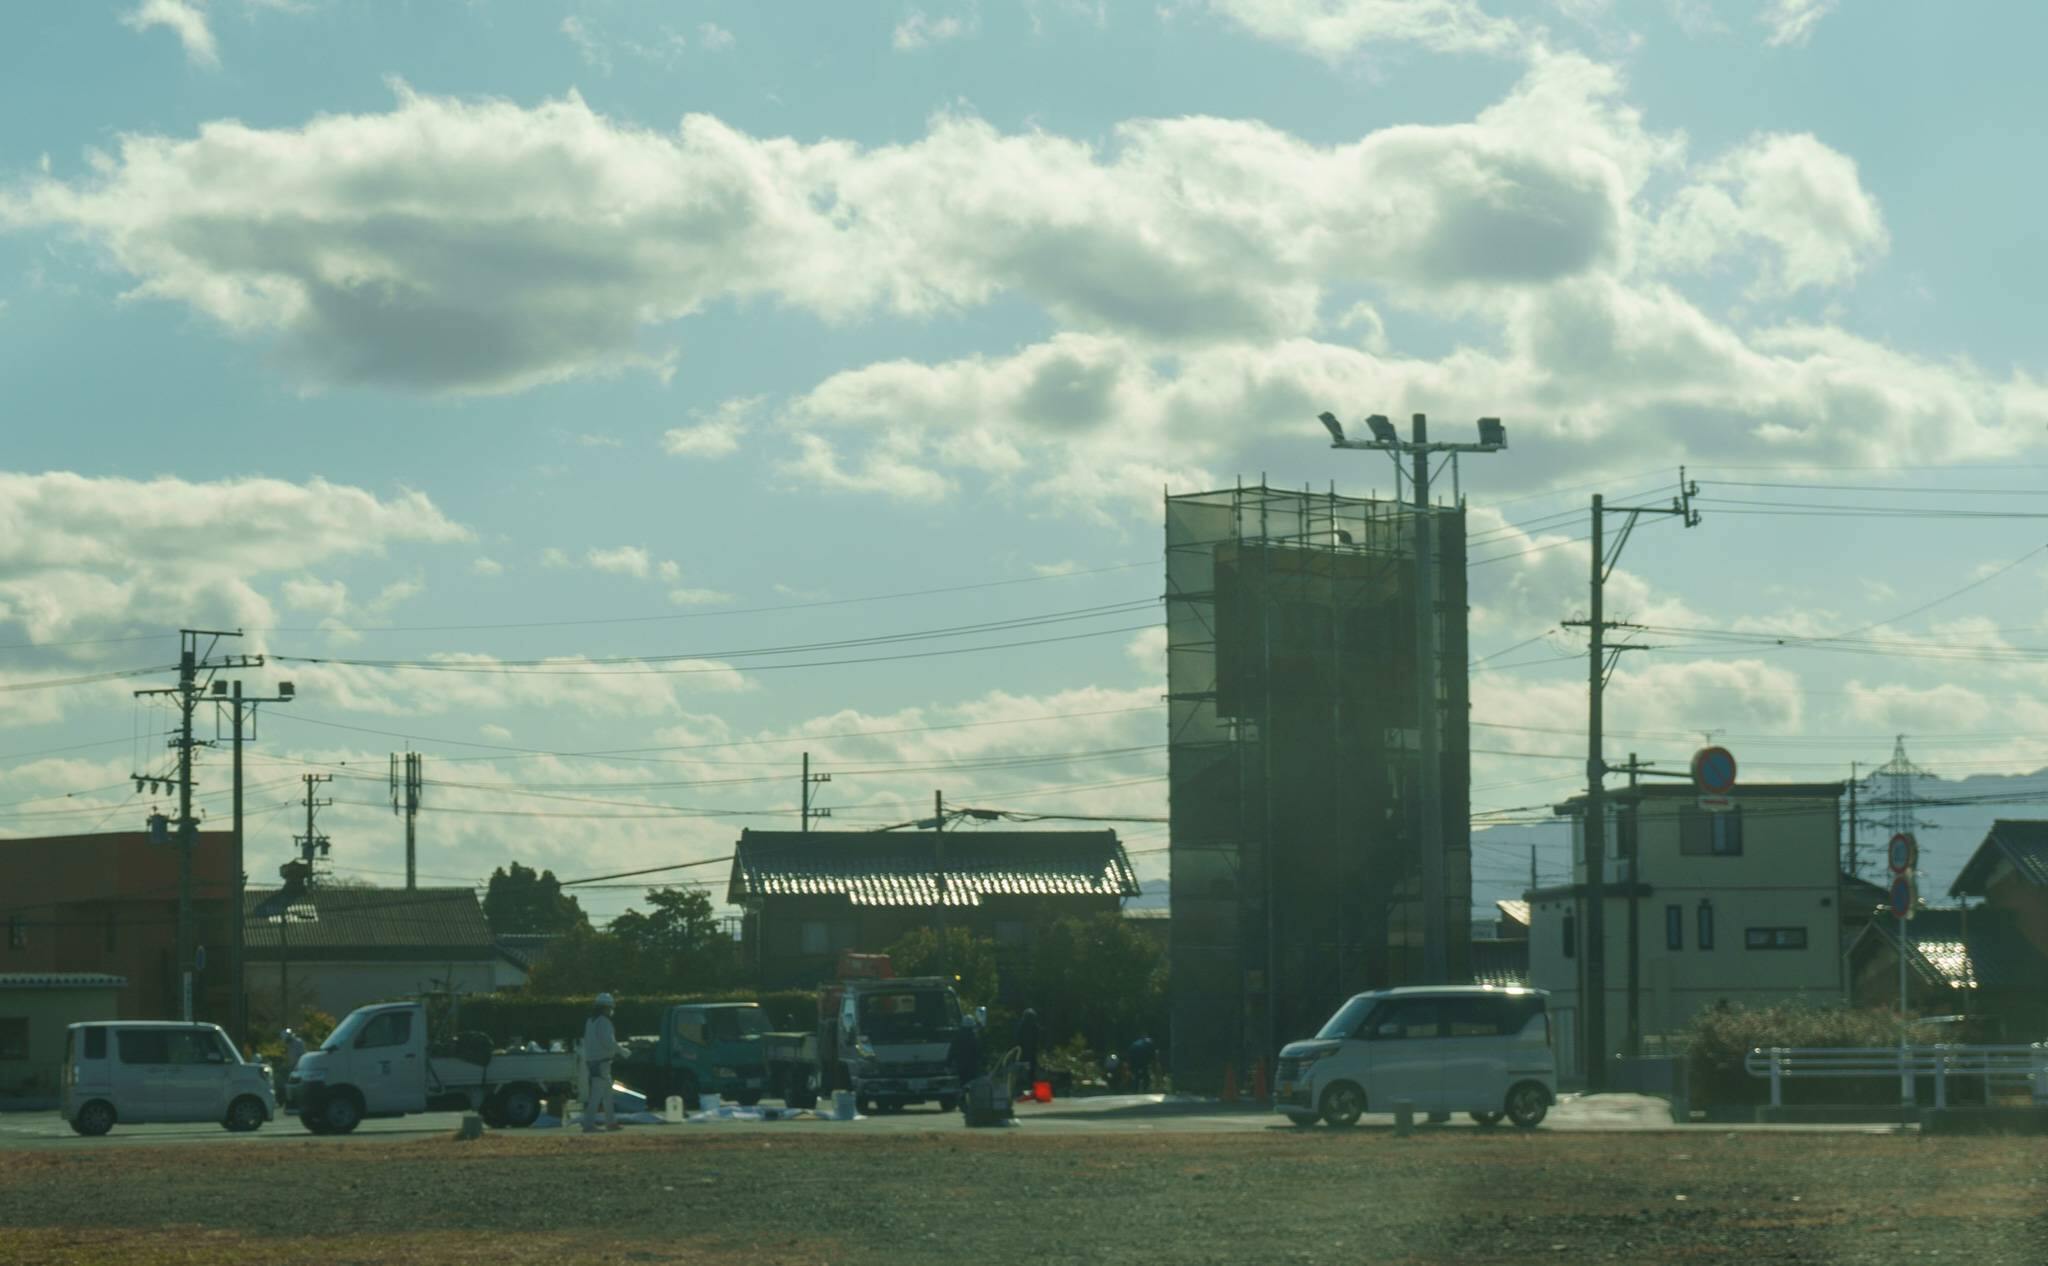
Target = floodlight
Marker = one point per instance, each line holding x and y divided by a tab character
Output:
1492	433
220	687
1336	428
1382	430
284	690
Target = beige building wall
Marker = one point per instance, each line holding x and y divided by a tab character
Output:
1771	908
40	1015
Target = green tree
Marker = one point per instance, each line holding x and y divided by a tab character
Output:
1097	978
682	938
584	961
521	899
972	962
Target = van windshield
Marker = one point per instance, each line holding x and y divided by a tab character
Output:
734	1023
1345	1023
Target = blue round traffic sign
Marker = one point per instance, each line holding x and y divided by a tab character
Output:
1713	770
1902	897
1903	853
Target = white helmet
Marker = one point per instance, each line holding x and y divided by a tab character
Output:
604	1000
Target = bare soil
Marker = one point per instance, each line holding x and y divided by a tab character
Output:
1285	1196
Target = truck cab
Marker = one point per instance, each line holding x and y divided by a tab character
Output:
377	1063
890	1041
703	1048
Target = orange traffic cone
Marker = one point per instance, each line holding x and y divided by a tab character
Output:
1230	1083
1259	1082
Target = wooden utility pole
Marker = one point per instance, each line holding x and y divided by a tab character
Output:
939	853
242	710
811	780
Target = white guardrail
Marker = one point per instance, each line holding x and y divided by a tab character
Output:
2025	1067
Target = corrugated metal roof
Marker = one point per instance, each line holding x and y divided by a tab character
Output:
895	869
61	980
429	920
2023	843
1968	949
1514	911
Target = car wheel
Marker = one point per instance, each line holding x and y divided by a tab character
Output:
94	1119
1527	1105
245	1115
1343	1104
519	1107
948	1103
309	1116
1487	1118
340	1114
1303	1118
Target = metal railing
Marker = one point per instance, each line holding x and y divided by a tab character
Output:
2023	1067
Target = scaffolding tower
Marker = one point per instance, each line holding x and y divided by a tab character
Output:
1296	871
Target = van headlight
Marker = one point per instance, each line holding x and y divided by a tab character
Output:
1303	1064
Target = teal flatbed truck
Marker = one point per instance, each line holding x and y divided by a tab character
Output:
721	1048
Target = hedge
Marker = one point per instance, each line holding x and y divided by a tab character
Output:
1718	1041
506	1016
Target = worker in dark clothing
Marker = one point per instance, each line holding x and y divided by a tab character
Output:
1139	1061
1027	1045
965	1055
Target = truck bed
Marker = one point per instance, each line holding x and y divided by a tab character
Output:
540	1067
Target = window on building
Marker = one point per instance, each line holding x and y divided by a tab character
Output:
17	932
387	1028
1703	834
1706	926
817	937
1571	936
1674	927
1775	938
13	1037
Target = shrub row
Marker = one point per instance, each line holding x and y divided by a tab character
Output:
1718	1041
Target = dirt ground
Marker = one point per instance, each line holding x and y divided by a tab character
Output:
1284	1196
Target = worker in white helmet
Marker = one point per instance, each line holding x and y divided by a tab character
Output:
600	1045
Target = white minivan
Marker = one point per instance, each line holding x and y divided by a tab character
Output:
1479	1049
136	1071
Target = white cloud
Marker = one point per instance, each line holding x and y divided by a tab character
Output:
327	597
698	597
714	37
588	46
495	732
625	560
716	434
82	556
918	30
475	683
487	567
1335	29
184	18
1791	194
553	556
1791	22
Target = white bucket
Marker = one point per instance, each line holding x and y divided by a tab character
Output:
709	1103
843	1106
675	1108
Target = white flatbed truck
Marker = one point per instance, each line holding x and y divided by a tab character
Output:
377	1063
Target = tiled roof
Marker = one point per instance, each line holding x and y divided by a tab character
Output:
1514	911
1967	949
1503	963
2022	843
423	923
61	980
899	869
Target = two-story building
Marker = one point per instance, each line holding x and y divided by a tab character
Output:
1702	907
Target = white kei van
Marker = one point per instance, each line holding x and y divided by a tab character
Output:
136	1071
1450	1048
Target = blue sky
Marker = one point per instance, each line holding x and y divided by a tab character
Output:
458	333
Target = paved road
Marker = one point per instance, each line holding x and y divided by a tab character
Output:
1120	1114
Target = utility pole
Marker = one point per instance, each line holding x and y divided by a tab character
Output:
242	710
1429	816
811	780
405	798
939	852
1851	869
1599	667
312	844
187	693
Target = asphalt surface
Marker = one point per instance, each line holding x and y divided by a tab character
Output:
1103	1115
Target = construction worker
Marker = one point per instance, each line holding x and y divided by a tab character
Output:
1139	1062
600	1045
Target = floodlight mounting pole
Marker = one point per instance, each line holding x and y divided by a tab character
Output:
1436	922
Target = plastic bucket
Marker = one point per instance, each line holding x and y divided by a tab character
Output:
1041	1092
709	1103
843	1106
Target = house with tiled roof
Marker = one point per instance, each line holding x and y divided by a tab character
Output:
810	895
2009	871
336	949
1975	962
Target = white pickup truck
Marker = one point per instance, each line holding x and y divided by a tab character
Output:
376	1063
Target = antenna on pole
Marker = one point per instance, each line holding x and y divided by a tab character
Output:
405	799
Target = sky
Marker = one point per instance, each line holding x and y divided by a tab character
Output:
614	402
